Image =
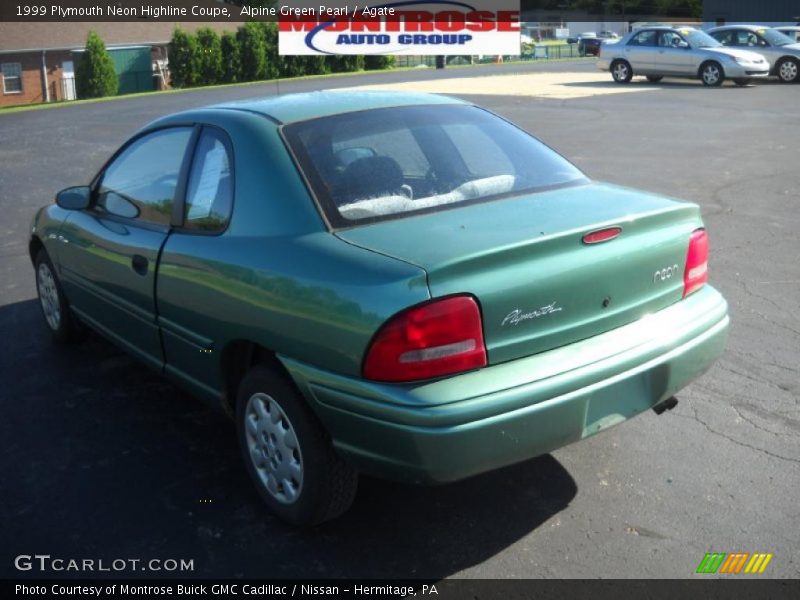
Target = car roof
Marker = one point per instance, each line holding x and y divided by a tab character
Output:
664	28
748	27
290	108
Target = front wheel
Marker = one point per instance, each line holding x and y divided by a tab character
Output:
55	309
287	453
621	71
711	74
741	82
787	70
654	78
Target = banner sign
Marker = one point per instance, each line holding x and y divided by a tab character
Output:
408	27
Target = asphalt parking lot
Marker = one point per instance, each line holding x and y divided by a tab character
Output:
100	458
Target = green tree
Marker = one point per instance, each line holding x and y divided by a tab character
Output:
209	59
95	76
183	59
252	51
231	61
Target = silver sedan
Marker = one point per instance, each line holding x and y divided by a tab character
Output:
793	31
782	52
662	51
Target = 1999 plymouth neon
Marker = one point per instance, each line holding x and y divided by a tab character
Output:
403	285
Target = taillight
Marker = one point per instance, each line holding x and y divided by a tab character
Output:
695	274
429	340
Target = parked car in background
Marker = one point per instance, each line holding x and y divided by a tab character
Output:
663	51
792	32
576	39
589	46
403	285
781	51
608	35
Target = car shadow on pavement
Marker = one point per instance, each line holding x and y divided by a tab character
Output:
103	459
641	82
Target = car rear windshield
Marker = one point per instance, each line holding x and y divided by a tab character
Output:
385	163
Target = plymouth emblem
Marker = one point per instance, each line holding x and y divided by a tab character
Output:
516	316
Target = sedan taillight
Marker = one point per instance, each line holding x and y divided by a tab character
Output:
695	274
437	338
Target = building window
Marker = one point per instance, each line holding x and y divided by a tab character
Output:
12	78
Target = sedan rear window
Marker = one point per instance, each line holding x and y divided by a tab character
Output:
384	163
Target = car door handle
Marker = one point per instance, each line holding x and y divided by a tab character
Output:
139	264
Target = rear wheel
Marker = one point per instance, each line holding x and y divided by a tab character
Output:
287	453
55	309
711	74
741	82
788	70
655	78
621	71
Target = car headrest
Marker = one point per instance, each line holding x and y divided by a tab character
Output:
371	177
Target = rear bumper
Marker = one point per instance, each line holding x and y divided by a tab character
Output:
457	427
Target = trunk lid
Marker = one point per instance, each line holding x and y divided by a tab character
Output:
538	285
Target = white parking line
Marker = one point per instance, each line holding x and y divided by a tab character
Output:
542	85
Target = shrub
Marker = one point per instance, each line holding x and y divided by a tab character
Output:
231	61
209	59
272	66
183	59
381	61
252	51
95	76
342	63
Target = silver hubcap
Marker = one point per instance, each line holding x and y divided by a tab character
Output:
621	72
711	74
48	296
788	70
273	448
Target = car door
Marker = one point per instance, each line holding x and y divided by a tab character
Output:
640	51
674	57
194	276
110	250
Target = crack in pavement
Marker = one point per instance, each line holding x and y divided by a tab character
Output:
735	441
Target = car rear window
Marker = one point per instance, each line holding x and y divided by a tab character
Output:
385	163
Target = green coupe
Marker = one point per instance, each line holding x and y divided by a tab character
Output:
403	285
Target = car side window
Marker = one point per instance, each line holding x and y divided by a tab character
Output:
726	38
209	194
669	39
140	183
643	38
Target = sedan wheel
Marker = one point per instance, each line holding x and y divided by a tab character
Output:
48	296
621	71
55	309
273	447
288	454
788	70
712	74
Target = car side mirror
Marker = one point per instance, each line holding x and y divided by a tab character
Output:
683	45
74	198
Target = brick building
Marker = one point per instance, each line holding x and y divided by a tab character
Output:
37	60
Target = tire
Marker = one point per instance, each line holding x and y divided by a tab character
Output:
55	309
712	74
654	78
788	70
287	453
741	81
621	71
